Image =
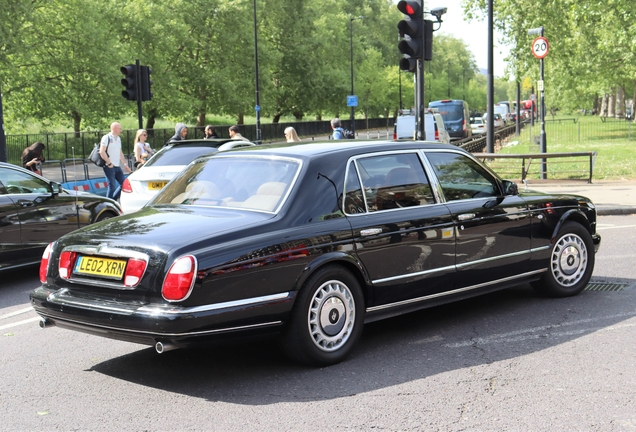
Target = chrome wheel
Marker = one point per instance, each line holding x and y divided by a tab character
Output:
331	315
569	260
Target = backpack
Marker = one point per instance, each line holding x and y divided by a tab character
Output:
347	134
95	157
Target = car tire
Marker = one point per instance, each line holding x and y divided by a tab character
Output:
327	318
104	216
570	264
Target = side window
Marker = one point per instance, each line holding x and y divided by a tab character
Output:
354	201
17	182
394	181
461	177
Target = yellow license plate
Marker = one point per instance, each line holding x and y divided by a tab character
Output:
156	185
96	266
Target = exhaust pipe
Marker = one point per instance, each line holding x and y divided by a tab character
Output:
43	323
162	347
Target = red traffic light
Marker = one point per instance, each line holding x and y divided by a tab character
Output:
409	7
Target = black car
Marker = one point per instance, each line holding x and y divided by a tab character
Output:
35	211
312	241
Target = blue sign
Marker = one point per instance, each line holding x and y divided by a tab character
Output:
352	100
257	108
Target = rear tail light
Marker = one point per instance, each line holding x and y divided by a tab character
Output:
436	135
180	279
126	187
44	264
67	261
394	135
134	271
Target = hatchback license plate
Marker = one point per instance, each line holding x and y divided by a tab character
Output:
156	185
104	267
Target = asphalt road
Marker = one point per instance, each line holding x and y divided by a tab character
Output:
504	361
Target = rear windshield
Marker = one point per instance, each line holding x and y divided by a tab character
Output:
179	155
449	111
253	183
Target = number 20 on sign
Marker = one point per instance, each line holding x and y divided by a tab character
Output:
540	47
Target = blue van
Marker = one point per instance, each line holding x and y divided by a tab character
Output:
456	117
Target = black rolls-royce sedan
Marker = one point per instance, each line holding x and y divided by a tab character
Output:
35	211
312	241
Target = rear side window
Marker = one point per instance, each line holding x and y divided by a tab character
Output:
179	155
389	181
461	177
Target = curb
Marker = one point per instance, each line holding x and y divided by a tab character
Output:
615	211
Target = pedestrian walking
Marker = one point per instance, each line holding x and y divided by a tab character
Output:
142	149
110	151
32	157
338	131
210	133
180	132
235	135
291	135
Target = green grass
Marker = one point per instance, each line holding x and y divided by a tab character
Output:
614	141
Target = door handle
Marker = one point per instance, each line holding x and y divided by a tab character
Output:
466	216
25	203
370	231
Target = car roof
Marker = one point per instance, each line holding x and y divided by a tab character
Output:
214	142
338	147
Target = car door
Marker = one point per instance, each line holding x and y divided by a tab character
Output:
44	216
403	236
492	229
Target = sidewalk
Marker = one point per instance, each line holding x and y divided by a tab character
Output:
610	197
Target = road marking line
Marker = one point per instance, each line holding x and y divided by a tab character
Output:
15	324
521	335
599	227
18	312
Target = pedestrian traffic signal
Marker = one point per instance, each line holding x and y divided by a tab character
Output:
129	82
146	84
411	30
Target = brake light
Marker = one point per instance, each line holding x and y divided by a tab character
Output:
394	135
436	135
126	187
134	271
44	264
180	279
67	261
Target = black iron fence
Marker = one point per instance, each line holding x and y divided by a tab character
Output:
61	146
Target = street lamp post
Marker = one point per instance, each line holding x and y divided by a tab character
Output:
353	108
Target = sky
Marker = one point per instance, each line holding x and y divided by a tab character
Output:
474	33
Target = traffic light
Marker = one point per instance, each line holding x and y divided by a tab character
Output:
146	84
129	82
412	30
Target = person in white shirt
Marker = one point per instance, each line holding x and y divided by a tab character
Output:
142	148
110	151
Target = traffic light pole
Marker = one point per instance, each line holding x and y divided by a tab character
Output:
420	100
138	93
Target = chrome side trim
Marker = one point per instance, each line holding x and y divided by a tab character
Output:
485	260
59	298
154	311
459	290
425	272
539	249
155	334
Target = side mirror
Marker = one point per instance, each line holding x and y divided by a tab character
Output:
56	188
510	188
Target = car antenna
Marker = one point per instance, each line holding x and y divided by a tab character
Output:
334	187
76	191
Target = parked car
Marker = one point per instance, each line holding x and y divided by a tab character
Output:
312	240
143	184
35	211
434	128
477	125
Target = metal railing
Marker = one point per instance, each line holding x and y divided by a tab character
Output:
570	164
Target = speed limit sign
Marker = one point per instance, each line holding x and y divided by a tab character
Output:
540	47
